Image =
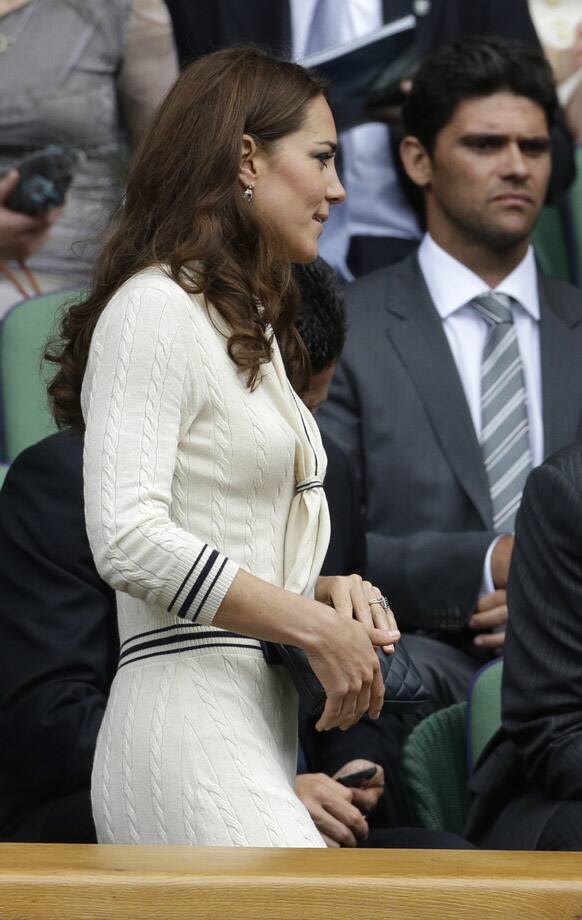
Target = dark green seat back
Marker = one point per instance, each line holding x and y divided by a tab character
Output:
434	770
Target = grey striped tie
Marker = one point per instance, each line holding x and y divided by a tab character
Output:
504	428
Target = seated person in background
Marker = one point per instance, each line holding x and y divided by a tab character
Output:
322	326
559	27
462	365
109	65
59	650
528	783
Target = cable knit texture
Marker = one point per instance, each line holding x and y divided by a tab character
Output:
189	475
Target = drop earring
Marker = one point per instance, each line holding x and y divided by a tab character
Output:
248	193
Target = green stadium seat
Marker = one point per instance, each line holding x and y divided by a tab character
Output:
440	752
483	710
434	770
24	332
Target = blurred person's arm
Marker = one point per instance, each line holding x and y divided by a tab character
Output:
149	65
574	104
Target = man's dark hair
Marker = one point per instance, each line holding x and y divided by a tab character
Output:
321	319
470	69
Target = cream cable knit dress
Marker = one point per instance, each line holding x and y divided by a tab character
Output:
189	475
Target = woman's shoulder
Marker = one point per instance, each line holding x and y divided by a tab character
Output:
152	289
154	278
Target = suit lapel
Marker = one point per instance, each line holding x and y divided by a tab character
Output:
560	363
416	332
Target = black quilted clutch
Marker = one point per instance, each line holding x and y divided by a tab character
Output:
403	686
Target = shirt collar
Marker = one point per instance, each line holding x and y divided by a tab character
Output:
452	285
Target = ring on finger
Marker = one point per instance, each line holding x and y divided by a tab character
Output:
383	601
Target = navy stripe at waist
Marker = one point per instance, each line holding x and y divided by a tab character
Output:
180	637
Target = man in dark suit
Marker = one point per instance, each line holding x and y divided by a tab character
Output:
410	401
528	783
378	224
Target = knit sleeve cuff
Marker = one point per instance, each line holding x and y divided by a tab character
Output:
201	592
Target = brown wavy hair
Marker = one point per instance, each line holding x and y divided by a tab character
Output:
184	209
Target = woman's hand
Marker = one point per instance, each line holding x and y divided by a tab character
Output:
341	653
352	597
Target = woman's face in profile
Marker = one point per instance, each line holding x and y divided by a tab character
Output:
297	183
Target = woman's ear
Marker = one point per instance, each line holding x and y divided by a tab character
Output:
249	161
416	161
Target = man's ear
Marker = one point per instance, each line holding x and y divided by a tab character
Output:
249	161
416	161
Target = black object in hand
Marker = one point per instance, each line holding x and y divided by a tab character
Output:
356	779
44	180
404	690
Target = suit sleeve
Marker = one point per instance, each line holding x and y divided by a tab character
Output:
57	618
542	686
432	578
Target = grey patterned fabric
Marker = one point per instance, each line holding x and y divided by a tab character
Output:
58	77
504	426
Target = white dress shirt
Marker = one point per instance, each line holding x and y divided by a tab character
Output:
376	204
452	286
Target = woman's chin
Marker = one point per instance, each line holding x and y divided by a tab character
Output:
305	254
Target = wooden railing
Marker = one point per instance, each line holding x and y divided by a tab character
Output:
52	882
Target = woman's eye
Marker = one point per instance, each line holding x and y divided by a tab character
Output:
324	157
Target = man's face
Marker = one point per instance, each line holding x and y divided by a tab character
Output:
488	173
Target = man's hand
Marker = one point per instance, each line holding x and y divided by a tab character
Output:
331	806
366	796
501	559
20	234
491	612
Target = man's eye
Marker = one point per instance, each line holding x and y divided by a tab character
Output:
535	148
486	144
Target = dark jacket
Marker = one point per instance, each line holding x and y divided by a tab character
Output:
58	647
535	761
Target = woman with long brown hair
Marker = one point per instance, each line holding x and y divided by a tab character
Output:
203	469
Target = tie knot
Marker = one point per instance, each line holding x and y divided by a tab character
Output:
494	308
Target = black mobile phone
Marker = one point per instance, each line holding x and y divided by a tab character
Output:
44	180
357	778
